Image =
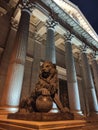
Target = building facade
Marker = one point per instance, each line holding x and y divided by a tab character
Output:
35	31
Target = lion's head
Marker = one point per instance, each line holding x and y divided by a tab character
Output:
47	69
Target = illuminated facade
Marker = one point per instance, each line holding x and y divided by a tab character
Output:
54	30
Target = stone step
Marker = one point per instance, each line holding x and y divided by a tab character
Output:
7	124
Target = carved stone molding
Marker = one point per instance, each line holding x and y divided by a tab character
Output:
14	23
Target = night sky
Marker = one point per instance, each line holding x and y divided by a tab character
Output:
90	10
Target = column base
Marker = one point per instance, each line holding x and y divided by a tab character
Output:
4	110
93	115
78	115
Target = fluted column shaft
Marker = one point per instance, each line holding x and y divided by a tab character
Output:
36	64
73	92
50	45
89	84
95	73
13	84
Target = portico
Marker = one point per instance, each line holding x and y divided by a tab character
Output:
52	46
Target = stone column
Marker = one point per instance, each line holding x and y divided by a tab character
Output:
50	45
13	84
50	54
73	92
84	97
95	71
6	57
89	84
36	62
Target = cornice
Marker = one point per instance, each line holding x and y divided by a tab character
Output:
67	22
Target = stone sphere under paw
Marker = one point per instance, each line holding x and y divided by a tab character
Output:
44	103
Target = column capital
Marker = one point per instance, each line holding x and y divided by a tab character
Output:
27	5
83	48
93	55
14	23
68	36
51	23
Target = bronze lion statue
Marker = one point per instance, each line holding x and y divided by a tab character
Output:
47	78
47	85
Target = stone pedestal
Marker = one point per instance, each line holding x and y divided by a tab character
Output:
38	116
